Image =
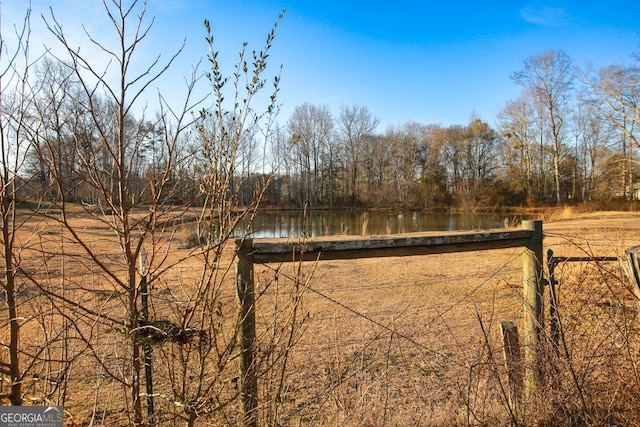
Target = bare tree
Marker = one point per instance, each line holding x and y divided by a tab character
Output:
377	160
312	130
433	173
355	124
617	89
515	122
548	77
137	168
403	145
480	148
15	73
108	168
591	136
453	139
33	369
226	134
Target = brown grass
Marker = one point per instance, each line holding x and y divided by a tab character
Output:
390	341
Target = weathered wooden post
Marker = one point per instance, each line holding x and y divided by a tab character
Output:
146	345
247	333
533	290
513	360
633	271
554	320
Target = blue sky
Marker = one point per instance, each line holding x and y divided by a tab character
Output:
430	62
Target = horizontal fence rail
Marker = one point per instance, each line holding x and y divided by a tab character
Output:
380	246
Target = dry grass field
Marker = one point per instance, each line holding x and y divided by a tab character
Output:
371	342
416	340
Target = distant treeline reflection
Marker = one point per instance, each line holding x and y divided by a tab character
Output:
279	224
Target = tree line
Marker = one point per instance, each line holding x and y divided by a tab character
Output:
571	136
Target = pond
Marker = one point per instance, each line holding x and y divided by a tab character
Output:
279	224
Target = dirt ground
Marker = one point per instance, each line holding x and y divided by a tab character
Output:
402	341
408	340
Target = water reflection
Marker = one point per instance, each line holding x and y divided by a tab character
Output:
279	224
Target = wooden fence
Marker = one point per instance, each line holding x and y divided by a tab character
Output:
257	251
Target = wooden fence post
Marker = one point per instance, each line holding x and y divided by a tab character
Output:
533	289
512	360
633	271
554	320
247	333
146	345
